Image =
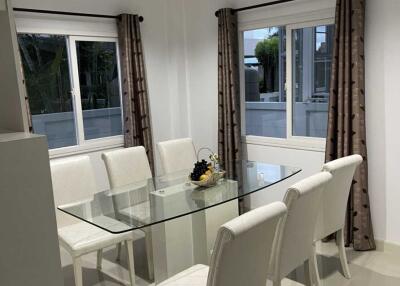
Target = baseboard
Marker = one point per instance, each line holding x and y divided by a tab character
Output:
387	246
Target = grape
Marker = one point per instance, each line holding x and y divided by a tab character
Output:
200	167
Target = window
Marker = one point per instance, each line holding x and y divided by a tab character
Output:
301	54
265	95
73	87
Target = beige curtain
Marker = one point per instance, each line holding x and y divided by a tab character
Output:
229	133
137	127
346	124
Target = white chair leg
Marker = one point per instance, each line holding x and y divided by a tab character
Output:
119	246
342	254
78	271
307	273
149	252
314	267
131	263
277	283
99	258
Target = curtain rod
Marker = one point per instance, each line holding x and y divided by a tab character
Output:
258	6
141	19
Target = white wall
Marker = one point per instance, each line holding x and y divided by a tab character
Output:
12	115
376	72
392	103
382	94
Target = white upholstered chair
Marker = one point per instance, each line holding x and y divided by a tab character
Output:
128	166
177	155
293	245
73	180
332	212
241	252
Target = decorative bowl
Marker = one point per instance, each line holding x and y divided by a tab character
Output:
211	181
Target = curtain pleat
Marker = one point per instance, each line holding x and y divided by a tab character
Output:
137	120
346	119
229	126
229	133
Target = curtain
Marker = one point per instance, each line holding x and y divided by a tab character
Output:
346	119
229	133
137	120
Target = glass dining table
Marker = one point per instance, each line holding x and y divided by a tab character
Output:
183	218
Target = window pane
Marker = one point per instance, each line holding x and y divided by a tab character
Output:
312	57
99	86
45	64
265	70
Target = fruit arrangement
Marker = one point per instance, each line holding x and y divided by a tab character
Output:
202	170
206	174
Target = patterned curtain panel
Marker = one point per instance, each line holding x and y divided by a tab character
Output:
346	124
229	133
137	127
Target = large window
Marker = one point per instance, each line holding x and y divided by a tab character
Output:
73	87
286	77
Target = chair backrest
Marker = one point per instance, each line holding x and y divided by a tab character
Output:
295	235
126	166
73	180
332	210
177	155
243	247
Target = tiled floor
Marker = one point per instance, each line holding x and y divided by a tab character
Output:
373	268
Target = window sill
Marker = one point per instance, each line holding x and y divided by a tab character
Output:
298	143
89	146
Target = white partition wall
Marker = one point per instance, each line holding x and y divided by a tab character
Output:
12	91
29	251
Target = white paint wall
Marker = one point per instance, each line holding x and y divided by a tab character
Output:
376	72
12	115
383	89
2	5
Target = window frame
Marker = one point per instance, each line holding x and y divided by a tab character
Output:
290	23
90	145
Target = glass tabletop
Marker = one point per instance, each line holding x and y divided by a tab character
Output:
167	197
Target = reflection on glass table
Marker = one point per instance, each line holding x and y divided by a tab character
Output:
172	196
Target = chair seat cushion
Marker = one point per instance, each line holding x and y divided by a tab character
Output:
82	237
193	276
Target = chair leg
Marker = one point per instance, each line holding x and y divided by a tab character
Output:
131	263
342	254
119	246
276	283
99	258
78	271
307	273
149	252
314	267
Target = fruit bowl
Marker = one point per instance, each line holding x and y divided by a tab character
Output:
206	174
211	180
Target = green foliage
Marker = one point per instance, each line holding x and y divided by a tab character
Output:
47	73
267	51
45	64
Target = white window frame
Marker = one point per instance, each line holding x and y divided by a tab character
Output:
290	23
44	26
